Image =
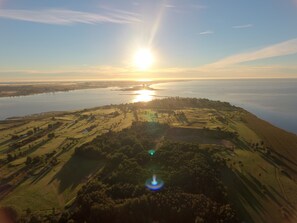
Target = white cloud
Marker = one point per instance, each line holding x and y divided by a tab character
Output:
245	26
208	32
112	73
170	6
184	8
67	17
280	49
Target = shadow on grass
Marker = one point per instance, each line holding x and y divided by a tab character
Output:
285	158
75	171
35	147
248	194
242	144
4	143
47	169
278	162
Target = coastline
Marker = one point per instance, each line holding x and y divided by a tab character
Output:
253	95
26	89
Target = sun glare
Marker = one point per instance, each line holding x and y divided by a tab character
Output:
143	59
144	96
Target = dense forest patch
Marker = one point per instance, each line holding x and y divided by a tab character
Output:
193	191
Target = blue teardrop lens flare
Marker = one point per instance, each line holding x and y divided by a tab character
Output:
154	183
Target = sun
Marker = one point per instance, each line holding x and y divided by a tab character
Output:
143	59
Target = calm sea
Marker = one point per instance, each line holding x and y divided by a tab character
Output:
274	100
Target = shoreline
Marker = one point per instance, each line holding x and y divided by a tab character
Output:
41	115
19	90
79	99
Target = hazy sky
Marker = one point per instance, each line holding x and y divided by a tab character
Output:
96	39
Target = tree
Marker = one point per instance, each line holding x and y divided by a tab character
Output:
9	158
51	135
28	160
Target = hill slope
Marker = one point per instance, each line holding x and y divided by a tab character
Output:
207	153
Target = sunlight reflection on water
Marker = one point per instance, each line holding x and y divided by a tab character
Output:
144	96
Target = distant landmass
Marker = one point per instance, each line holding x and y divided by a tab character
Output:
138	88
22	89
218	163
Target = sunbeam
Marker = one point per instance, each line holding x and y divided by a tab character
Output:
157	22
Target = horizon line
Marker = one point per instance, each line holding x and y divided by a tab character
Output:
142	79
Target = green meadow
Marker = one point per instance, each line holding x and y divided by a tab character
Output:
39	170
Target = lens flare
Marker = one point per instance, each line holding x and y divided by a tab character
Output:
154	183
151	152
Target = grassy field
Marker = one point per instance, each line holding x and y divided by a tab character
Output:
260	175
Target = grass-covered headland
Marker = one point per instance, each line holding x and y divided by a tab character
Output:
218	162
